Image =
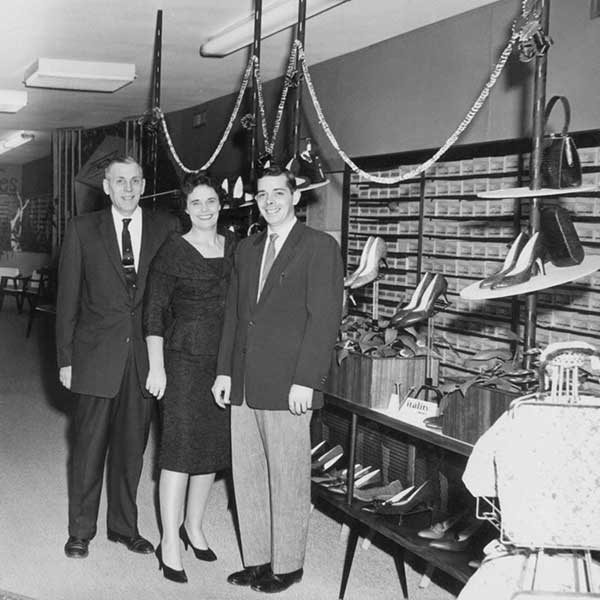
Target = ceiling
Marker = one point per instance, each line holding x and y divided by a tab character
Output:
123	31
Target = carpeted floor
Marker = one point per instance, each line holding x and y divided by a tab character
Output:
34	428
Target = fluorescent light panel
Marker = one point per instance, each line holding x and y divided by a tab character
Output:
12	101
14	140
276	17
79	75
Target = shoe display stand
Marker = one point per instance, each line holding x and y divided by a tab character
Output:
404	534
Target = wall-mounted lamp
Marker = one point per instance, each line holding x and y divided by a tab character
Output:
79	75
276	16
14	140
12	101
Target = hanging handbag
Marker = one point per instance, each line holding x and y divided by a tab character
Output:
560	167
560	237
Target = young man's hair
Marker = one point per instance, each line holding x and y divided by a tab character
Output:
276	171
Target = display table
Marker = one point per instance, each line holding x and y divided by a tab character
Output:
403	535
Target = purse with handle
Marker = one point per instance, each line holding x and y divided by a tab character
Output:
560	166
560	237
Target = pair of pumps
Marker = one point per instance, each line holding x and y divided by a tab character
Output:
374	253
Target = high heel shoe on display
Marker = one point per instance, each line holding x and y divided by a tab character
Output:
438	530
327	460
529	263
414	299
207	554
362	263
458	542
385	492
425	308
375	256
168	573
402	503
509	262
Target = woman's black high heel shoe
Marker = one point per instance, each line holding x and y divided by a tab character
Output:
402	503
208	555
436	289
529	263
509	262
168	573
414	299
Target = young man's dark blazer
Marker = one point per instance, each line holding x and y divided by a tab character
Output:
288	335
98	321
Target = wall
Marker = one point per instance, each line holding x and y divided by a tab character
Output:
410	92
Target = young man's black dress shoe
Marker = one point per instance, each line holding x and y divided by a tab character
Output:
250	575
134	543
277	583
76	547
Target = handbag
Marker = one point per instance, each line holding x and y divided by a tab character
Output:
560	237
560	166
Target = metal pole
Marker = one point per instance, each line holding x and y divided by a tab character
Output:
539	104
300	36
255	110
156	100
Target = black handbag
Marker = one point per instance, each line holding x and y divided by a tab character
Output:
560	237
560	166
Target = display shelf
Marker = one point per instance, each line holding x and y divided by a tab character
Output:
456	564
554	276
526	192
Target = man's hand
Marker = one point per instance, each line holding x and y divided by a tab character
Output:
221	390
300	399
156	382
64	374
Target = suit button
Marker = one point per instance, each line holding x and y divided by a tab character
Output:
133	313
250	323
127	340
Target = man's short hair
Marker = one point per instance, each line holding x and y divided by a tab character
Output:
276	171
122	159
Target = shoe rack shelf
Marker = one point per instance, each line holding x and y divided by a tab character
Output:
403	534
466	237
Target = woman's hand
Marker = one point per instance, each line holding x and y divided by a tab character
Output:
156	382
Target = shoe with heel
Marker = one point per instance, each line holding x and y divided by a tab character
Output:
415	298
178	576
404	502
362	263
529	263
436	289
207	555
376	255
509	262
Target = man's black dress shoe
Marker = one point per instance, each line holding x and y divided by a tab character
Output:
134	543
250	575
271	584
76	547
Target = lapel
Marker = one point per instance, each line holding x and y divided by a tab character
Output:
109	238
146	253
256	249
283	258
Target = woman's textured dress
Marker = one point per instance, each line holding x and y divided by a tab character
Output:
184	304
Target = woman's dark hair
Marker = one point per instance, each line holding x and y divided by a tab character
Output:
276	170
193	180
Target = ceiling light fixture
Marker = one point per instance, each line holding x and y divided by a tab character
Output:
276	16
12	101
14	140
79	75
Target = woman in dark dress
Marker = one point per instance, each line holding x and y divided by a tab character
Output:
183	315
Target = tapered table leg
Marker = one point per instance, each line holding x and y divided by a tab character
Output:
399	560
350	548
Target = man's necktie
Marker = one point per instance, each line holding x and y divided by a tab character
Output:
127	260
269	260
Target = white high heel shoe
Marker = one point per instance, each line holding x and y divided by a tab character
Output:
376	254
362	263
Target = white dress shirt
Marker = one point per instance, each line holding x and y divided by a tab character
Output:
135	231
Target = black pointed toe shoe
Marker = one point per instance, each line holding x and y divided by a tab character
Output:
135	543
277	583
250	575
77	547
201	554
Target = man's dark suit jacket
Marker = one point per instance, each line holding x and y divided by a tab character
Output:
288	335
97	320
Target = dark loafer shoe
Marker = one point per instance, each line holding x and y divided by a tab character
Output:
250	575
277	583
76	547
134	543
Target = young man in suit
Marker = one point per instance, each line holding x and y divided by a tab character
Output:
282	316
102	355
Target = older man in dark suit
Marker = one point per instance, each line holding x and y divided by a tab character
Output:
282	316
102	354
